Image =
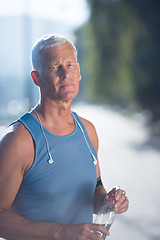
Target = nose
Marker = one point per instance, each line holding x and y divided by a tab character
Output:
63	72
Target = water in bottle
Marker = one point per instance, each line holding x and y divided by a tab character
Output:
106	214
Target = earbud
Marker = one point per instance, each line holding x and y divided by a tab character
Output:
50	161
94	162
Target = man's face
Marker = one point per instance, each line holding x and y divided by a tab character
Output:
60	74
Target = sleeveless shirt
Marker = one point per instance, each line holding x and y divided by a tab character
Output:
61	192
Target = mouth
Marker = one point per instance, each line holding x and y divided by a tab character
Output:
67	85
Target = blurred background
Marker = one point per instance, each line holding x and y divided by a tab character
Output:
119	55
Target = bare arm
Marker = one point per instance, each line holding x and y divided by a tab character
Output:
122	202
100	191
16	157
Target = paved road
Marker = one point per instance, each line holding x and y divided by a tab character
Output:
130	159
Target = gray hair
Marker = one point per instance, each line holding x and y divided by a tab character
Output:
46	42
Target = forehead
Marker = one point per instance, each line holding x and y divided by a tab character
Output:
59	53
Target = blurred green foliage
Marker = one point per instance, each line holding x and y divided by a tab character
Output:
119	54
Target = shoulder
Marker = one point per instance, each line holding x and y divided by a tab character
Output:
89	126
17	146
92	133
16	133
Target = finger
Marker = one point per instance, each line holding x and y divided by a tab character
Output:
120	197
123	207
95	232
102	229
120	193
120	200
94	235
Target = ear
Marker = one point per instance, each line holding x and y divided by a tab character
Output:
35	77
79	72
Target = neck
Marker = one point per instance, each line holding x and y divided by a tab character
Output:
54	108
56	117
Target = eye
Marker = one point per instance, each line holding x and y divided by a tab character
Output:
55	67
52	68
70	65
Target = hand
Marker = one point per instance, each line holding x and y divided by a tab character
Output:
122	202
83	231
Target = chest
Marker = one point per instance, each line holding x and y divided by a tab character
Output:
72	167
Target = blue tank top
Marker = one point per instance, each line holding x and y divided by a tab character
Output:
61	192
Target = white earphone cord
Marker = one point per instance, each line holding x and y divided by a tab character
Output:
95	160
47	144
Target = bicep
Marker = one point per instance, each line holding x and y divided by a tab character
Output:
92	134
95	142
10	181
12	165
98	169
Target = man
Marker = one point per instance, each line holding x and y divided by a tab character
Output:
48	158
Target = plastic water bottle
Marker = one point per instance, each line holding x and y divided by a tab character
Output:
106	214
